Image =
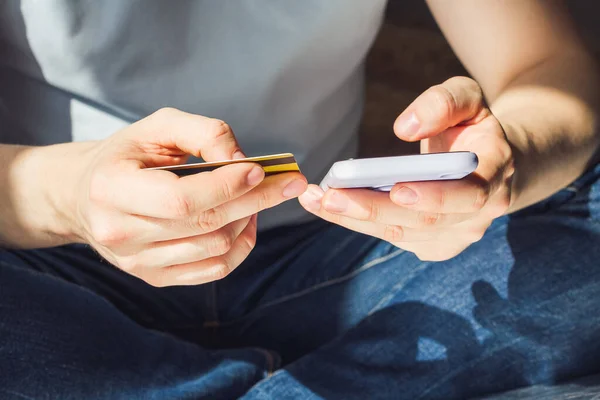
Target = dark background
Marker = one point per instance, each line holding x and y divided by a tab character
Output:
410	55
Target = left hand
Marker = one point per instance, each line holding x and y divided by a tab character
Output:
434	220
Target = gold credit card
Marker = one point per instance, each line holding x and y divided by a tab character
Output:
271	164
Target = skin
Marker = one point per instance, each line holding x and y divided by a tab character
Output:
538	134
161	228
530	114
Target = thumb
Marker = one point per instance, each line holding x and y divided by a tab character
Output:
459	100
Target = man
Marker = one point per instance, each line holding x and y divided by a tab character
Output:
435	290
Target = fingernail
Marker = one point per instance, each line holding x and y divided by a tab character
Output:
311	199
405	195
336	203
408	125
294	189
238	155
255	176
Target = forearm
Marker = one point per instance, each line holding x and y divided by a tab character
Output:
34	182
550	114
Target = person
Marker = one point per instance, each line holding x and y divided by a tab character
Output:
118	282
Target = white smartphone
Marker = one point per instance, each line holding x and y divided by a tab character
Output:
384	172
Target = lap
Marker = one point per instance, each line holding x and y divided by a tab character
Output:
515	309
60	338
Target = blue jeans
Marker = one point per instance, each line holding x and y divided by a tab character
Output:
316	311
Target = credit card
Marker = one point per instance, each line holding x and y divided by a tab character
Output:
272	164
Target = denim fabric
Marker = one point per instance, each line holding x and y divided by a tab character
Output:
316	311
587	388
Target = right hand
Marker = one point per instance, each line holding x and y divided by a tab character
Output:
165	229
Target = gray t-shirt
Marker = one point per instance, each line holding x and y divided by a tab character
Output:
286	75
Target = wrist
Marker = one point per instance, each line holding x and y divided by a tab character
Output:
542	166
66	165
43	183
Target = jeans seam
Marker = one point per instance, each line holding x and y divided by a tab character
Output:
213	292
19	395
397	287
272	359
365	267
4	263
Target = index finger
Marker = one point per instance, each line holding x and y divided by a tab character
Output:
209	138
466	195
369	205
161	194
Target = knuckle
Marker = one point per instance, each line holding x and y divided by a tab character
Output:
373	211
107	234
180	205
428	219
210	220
249	240
221	271
465	82
442	199
221	243
227	192
509	169
165	113
393	233
219	128
129	263
263	200
482	196
445	99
